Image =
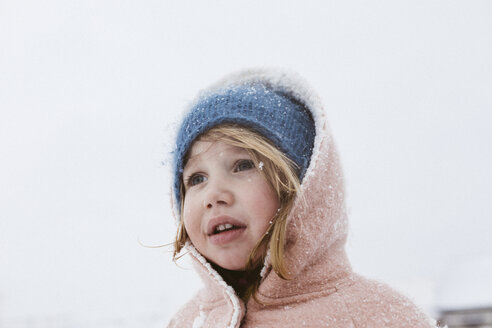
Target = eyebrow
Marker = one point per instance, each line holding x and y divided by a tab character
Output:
234	150
188	165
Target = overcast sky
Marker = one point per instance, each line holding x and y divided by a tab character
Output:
89	96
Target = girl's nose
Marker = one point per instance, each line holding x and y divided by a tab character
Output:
218	194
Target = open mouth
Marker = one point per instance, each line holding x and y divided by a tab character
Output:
224	228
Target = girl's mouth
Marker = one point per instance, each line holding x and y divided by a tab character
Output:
223	224
224	227
226	232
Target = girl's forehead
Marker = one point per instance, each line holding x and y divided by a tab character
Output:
205	149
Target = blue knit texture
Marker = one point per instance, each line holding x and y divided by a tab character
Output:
281	119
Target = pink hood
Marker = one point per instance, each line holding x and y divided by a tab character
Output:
323	290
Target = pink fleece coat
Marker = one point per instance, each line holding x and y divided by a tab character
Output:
323	290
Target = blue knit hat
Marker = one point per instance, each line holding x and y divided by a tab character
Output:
276	115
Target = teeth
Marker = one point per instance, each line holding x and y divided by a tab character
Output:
223	227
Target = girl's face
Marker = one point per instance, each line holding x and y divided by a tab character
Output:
228	204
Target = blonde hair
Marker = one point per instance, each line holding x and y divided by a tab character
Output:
281	174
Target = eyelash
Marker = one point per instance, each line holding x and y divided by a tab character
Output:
244	161
189	180
237	168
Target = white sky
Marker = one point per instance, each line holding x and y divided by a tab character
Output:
89	92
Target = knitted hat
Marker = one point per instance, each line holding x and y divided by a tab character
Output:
277	116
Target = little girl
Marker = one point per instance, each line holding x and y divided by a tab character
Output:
260	207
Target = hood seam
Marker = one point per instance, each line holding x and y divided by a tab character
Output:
236	307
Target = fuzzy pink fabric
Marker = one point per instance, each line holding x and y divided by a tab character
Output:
323	291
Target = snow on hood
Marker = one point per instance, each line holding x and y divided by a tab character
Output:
317	226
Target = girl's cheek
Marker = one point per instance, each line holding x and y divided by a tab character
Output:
187	210
188	215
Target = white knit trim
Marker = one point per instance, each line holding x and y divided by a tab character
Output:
218	278
266	265
199	320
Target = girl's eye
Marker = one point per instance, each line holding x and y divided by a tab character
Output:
243	165
196	179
